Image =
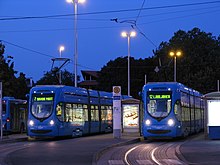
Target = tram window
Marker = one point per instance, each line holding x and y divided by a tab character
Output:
177	110
109	113
77	114
103	113
106	113
94	113
187	114
68	113
74	106
152	106
85	112
59	112
159	107
3	108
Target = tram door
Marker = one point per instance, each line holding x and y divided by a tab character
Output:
18	117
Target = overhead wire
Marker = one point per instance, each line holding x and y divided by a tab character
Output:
133	24
140	11
121	20
178	17
170	12
31	50
37	52
112	11
138	16
139	30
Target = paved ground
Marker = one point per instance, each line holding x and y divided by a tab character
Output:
199	150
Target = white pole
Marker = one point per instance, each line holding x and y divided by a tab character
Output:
145	79
117	112
175	68
218	85
76	40
128	64
1	110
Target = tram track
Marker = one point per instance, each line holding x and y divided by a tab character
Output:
5	149
147	152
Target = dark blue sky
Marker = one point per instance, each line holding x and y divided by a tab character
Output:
99	39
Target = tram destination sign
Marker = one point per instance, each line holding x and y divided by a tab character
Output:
43	98
159	96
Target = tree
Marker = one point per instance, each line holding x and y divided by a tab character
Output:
198	67
12	86
115	73
51	78
21	87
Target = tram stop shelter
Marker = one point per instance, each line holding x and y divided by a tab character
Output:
130	115
213	114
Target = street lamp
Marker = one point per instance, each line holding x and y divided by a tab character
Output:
75	2
61	48
175	54
128	35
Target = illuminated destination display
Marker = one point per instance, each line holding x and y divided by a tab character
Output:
47	98
157	96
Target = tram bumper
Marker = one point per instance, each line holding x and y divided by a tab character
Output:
42	131
160	131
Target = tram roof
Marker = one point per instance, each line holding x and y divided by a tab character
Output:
171	85
71	90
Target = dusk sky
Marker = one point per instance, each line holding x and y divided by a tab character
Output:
32	31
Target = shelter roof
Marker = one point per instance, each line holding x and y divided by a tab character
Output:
212	95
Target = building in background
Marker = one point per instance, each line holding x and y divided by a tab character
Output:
90	79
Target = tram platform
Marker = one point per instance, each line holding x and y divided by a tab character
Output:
13	138
197	150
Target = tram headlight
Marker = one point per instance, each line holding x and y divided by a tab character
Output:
52	122
171	122
31	122
147	122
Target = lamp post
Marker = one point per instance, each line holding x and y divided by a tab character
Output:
61	48
128	35
75	2
175	54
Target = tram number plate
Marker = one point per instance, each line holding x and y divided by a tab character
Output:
159	127
40	127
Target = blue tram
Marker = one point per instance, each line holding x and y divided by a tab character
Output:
64	110
14	115
171	110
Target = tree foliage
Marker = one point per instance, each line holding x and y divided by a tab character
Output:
115	73
197	68
12	86
52	78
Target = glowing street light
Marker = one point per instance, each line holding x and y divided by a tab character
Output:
175	54
128	35
61	48
75	2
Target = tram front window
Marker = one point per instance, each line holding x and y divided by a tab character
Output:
42	106
159	104
3	108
